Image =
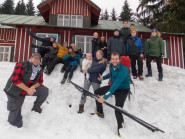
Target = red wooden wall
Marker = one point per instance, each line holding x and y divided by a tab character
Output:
74	7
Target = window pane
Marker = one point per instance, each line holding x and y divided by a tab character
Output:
60	20
88	48
66	20
73	17
1	49
5	57
73	23
89	39
80	38
1	56
79	17
6	49
79	21
81	45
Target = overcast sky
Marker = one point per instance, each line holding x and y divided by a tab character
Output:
103	4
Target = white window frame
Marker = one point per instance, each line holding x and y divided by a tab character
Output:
9	53
58	24
77	20
85	42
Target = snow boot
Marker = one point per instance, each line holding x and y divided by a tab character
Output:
149	74
81	108
63	81
140	77
36	108
101	115
160	76
134	77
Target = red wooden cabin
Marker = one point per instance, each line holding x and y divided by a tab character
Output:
72	21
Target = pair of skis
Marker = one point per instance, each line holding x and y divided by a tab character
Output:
136	119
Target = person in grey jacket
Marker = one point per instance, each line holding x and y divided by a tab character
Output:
115	44
26	79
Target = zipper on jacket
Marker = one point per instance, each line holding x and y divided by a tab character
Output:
9	87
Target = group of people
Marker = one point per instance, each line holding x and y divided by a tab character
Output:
27	76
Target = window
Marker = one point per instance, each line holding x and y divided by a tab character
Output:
84	42
5	52
45	35
76	21
63	20
70	20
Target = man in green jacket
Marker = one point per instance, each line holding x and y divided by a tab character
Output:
119	86
26	79
154	49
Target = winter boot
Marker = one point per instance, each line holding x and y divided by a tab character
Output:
140	77
63	81
101	115
68	80
81	108
160	76
36	108
134	77
149	74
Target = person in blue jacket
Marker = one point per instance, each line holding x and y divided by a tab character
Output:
46	42
73	64
97	68
134	51
119	87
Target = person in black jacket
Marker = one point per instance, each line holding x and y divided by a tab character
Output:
115	44
95	45
125	32
97	68
103	46
46	42
50	56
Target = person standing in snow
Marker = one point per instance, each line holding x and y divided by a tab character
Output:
72	66
46	42
115	44
125	33
26	80
154	49
95	45
103	46
134	51
97	68
86	64
119	87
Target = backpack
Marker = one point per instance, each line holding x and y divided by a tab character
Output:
125	61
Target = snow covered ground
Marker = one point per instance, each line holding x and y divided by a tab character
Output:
159	103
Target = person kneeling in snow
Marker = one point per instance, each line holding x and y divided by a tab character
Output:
27	79
119	86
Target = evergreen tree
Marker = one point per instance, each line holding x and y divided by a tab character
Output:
20	9
113	15
126	13
101	15
30	8
106	15
7	7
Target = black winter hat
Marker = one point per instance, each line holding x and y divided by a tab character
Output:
116	30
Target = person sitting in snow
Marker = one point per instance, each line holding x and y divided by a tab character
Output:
73	64
97	68
134	51
119	87
46	42
50	55
86	64
62	51
26	80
